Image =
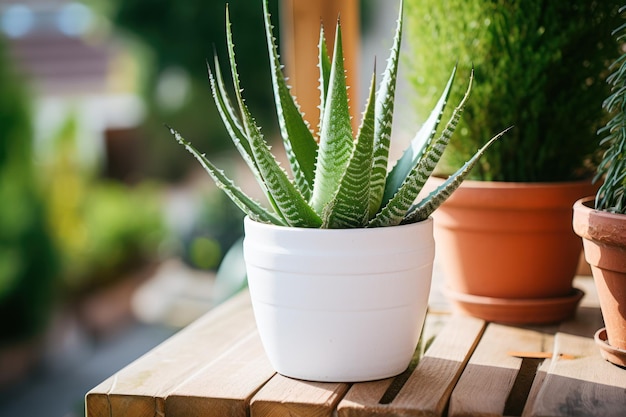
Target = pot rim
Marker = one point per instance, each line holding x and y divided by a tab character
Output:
484	195
356	230
587	204
598	225
519	184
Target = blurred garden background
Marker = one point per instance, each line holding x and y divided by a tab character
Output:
111	235
112	238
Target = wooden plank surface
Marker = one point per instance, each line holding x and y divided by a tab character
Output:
488	379
586	385
426	391
225	386
286	397
140	388
217	367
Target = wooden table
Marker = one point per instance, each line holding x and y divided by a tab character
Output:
216	367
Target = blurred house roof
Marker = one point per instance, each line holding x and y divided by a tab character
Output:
53	42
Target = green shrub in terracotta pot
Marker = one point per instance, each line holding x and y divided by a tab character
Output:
339	267
601	220
539	67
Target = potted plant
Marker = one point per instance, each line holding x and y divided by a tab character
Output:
510	252
339	270
601	220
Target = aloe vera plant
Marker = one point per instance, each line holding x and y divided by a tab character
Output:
339	181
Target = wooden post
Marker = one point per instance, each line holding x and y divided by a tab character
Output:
300	27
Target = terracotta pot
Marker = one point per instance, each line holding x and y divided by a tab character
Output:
604	240
339	305
503	241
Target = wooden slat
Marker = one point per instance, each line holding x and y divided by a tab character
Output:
428	388
486	383
585	323
586	385
365	397
217	366
97	400
225	386
287	397
140	389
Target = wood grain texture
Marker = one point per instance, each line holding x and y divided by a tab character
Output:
585	386
225	386
217	367
97	400
486	382
428	388
141	388
283	396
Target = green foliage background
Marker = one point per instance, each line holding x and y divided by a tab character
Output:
185	34
540	65
28	257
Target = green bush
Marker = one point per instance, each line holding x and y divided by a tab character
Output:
28	262
103	228
539	65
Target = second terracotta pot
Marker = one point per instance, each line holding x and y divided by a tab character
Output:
604	238
501	241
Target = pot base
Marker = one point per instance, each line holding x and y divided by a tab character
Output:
612	354
516	311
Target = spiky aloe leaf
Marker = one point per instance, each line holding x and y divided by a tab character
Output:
233	126
350	207
289	202
336	141
395	210
249	206
298	140
324	67
416	149
229	118
226	110
433	200
384	118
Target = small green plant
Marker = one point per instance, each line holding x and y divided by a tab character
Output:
611	195
342	182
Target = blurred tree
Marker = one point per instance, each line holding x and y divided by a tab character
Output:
181	37
28	262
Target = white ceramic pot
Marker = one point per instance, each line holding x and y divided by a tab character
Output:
339	305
